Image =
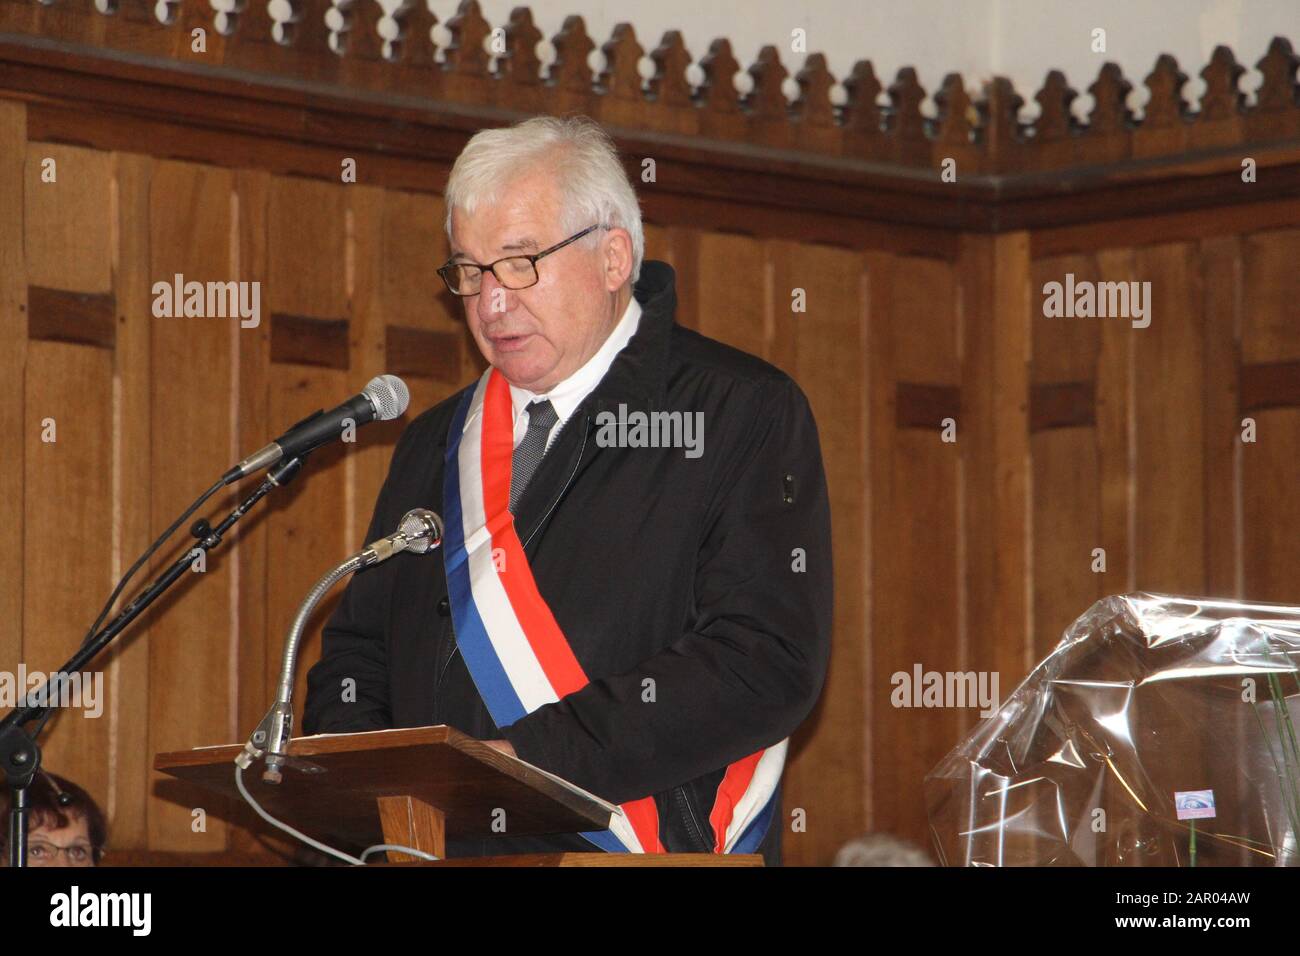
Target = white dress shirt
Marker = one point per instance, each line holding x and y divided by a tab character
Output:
568	394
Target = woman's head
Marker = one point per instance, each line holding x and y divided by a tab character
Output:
65	825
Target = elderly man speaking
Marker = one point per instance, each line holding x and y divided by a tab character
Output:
635	591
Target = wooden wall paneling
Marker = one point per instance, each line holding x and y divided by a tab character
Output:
68	219
1271	328
980	336
306	536
1065	462
1116	383
307	276
1170	478
1222	272
915	539
1271	334
1169	364
926	348
1271	513
734	311
130	767
191	645
883	523
1066	521
825	776
249	545
998	309
917	619
427	341
1010	483
14	422
1171	485
373	304
1000	306
416	326
996	320
67	482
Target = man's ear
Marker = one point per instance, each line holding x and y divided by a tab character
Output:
618	258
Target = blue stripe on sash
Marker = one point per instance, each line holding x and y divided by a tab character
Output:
749	840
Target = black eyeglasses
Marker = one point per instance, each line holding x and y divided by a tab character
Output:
513	272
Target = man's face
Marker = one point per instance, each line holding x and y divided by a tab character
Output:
539	336
66	846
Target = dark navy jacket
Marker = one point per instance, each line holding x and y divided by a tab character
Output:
709	575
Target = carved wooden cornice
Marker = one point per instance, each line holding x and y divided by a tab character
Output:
343	79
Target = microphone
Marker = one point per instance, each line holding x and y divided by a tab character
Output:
384	398
419	531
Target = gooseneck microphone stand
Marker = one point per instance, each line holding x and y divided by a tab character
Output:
20	754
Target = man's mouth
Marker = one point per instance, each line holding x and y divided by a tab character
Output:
507	343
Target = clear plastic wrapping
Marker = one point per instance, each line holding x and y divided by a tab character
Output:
1157	733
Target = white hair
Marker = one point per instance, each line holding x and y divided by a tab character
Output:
593	185
881	849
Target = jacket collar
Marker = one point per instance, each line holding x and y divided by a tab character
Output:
639	373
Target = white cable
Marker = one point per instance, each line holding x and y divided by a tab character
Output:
400	849
281	825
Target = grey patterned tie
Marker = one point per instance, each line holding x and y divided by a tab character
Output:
541	416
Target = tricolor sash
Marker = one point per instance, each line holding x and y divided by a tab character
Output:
514	649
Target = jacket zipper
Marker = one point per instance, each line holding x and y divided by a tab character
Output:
455	648
692	824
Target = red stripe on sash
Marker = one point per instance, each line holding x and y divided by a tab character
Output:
544	635
539	625
734	784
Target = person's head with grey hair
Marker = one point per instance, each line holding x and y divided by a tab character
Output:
881	849
547	204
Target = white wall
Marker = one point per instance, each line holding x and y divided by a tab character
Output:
1022	39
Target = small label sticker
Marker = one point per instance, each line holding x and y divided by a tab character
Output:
1194	804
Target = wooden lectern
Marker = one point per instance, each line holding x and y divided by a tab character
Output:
412	787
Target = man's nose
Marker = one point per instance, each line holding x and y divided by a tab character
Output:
494	299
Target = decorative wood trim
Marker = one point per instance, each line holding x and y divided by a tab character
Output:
91	80
57	316
342	46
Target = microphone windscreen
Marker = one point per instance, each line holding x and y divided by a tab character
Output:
389	395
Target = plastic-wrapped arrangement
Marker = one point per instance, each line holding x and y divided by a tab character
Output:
1157	733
